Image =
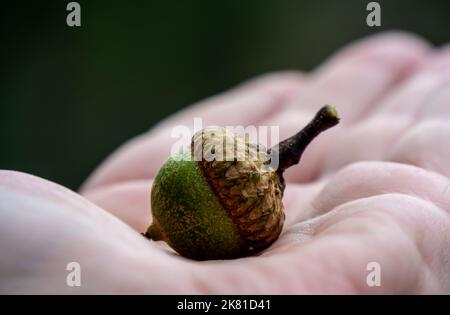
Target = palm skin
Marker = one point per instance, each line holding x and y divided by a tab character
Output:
374	189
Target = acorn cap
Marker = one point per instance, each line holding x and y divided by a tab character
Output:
249	192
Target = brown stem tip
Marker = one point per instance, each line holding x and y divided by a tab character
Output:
290	150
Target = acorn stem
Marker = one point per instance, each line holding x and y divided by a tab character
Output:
291	149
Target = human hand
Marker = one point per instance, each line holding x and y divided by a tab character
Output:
341	214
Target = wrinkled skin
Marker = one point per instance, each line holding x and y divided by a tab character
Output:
375	188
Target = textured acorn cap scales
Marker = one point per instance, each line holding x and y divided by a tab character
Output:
208	208
250	195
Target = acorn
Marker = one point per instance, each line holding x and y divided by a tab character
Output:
206	207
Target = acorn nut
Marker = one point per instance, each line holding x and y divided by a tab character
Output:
207	207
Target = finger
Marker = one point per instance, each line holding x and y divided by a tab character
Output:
357	78
366	179
297	200
423	96
414	95
246	104
437	107
426	145
371	140
354	83
437	104
141	157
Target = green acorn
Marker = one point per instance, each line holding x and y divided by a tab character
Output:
207	207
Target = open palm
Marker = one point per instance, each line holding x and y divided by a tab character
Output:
342	214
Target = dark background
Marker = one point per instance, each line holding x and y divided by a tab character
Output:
70	96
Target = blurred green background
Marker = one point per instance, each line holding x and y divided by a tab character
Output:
70	96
